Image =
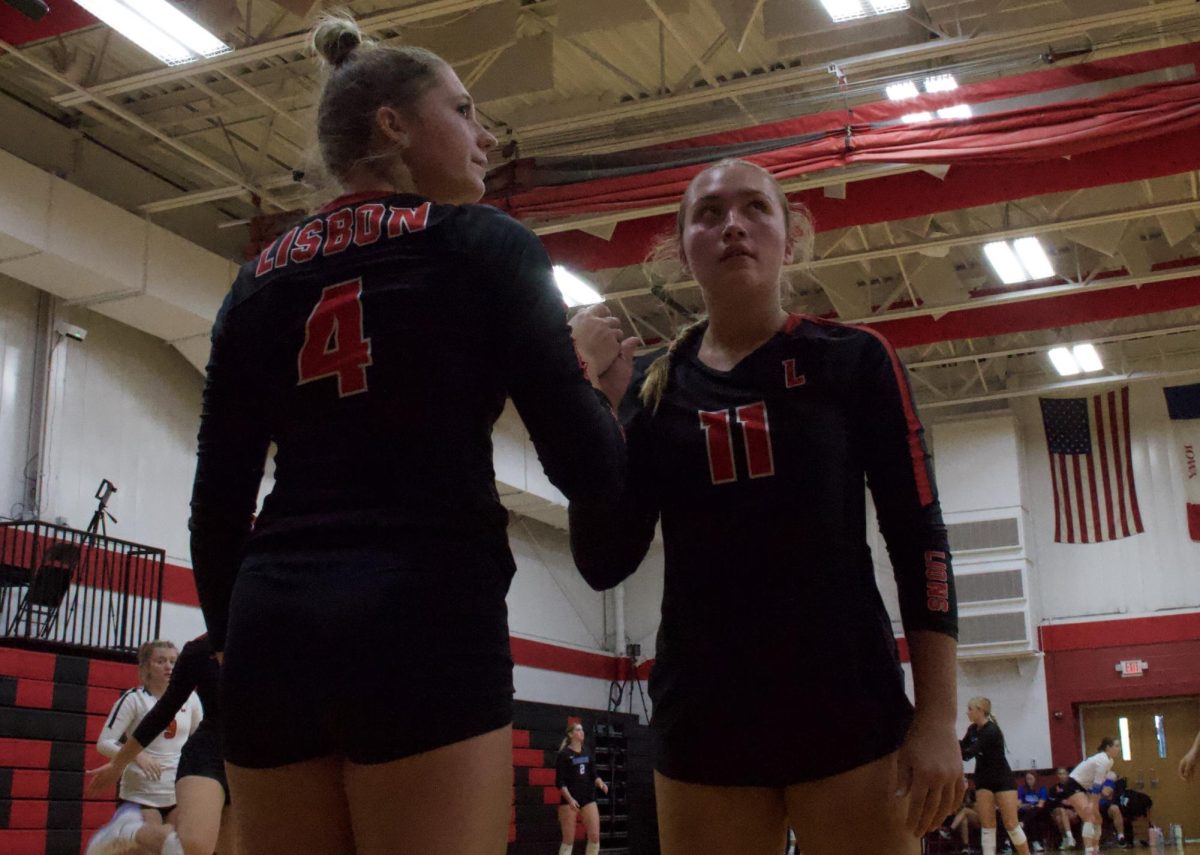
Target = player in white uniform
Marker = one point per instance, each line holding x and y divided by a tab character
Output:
147	789
1083	790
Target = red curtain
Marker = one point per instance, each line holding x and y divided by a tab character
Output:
1012	136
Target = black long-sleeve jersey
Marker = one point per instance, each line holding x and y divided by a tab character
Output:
770	601
576	772
196	670
374	344
985	745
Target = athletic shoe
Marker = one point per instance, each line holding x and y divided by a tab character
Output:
1037	847
172	845
944	832
116	837
1068	842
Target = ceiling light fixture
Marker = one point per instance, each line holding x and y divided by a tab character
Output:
575	291
849	10
913	118
1005	262
1064	362
159	28
958	111
1033	258
902	91
883	7
1024	261
1087	357
1080	359
941	83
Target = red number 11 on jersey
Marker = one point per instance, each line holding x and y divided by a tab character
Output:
756	437
334	344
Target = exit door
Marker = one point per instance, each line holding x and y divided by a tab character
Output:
1159	733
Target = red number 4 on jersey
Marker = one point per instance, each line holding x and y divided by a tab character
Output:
334	344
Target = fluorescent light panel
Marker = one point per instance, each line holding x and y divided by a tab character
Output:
1024	261
848	10
575	291
902	91
844	10
1123	726
1033	258
1087	357
958	111
158	28
1004	261
913	118
1064	362
941	83
1080	359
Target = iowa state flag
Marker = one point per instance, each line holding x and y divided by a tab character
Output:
1091	467
1183	405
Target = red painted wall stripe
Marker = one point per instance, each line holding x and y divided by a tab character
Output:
1162	629
551	657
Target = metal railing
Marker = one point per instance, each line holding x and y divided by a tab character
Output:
63	586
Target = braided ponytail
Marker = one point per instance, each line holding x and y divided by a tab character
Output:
659	372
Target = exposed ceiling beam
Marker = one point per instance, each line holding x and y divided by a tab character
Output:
119	111
1065	385
248	55
929	246
1042	348
871	63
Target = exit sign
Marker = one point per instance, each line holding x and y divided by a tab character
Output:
1132	667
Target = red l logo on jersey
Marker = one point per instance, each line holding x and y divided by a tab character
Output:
790	378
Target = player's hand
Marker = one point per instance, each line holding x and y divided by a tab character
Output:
597	336
149	766
930	774
615	381
574	805
1187	766
103	778
220	657
603	787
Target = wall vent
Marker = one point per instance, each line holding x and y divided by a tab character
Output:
1001	628
983	534
984	587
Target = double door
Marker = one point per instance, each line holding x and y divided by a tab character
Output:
1159	733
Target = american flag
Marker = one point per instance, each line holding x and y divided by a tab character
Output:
1091	467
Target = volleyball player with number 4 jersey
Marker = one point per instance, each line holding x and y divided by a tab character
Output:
778	692
366	667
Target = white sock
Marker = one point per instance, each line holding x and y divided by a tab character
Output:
565	849
593	848
172	845
987	837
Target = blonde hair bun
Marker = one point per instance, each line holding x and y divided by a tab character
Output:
335	38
